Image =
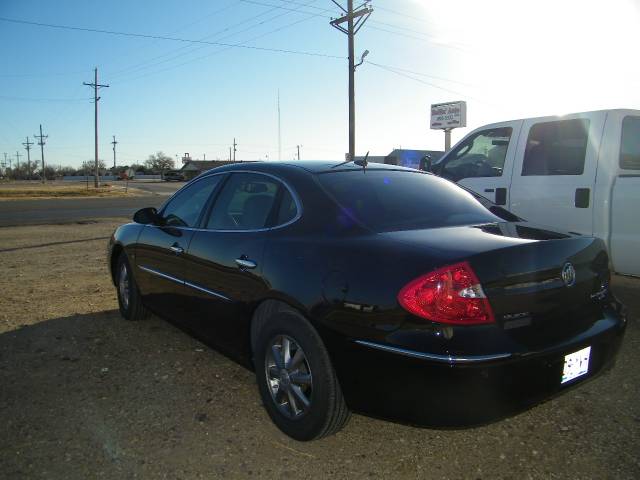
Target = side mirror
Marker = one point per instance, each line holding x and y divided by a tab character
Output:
426	163
146	216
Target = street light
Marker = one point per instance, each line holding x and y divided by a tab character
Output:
364	54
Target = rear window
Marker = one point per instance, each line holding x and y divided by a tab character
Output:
630	146
385	200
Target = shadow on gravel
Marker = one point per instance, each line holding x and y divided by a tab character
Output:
89	394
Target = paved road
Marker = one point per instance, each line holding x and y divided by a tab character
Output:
156	188
67	210
50	211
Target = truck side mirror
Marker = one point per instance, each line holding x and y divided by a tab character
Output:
427	164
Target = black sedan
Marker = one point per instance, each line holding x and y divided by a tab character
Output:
371	288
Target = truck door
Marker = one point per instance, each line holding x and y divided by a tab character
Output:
555	169
483	161
625	214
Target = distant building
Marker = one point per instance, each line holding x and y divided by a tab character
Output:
412	158
405	158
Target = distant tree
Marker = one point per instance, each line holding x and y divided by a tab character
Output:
136	167
159	162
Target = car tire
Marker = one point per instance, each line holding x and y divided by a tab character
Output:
129	299
285	380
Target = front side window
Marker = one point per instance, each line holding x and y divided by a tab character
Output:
184	209
556	148
481	155
630	145
244	203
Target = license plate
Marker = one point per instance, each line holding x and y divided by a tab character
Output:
576	364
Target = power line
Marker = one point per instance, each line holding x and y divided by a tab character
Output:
150	62
162	37
30	99
244	42
392	70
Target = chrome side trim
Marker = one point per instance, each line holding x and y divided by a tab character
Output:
183	282
206	290
450	359
160	274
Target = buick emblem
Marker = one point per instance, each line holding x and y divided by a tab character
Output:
568	275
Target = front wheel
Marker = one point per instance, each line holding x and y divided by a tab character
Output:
297	382
129	300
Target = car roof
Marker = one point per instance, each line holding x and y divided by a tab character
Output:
311	166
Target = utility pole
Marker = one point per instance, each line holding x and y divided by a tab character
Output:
42	138
114	143
355	20
298	147
27	145
18	155
96	86
234	149
279	131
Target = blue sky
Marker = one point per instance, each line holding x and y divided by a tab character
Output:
506	59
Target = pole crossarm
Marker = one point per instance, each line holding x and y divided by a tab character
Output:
356	15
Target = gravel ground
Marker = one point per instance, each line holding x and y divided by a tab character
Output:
85	394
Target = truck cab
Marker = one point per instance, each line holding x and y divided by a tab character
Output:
577	172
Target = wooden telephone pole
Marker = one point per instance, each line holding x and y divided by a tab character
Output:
354	20
96	86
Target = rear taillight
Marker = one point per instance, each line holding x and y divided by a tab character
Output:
451	295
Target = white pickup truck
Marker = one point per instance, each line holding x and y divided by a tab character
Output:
578	172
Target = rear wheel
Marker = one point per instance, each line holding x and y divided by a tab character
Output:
297	382
129	300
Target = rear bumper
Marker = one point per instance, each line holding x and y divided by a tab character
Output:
458	391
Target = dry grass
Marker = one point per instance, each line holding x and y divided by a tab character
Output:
27	190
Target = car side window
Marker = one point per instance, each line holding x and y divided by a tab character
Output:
184	209
556	148
244	203
630	144
481	155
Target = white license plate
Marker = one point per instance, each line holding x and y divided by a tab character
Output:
576	364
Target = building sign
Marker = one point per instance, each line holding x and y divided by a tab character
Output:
448	115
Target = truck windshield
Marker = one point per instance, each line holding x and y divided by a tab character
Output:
387	200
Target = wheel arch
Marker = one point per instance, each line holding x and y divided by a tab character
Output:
116	251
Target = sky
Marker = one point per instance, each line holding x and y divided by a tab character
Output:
506	59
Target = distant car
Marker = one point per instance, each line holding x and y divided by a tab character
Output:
173	175
379	289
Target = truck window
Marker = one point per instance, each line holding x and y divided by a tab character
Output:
480	155
556	148
630	144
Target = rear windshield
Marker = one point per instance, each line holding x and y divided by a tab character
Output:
385	200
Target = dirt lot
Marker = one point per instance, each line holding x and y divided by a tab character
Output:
85	394
29	189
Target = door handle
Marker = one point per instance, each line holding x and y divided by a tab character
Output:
581	199
177	249
244	263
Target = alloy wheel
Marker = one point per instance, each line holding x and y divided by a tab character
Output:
289	377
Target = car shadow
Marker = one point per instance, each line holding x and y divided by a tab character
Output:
111	392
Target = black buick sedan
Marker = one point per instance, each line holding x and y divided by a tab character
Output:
374	289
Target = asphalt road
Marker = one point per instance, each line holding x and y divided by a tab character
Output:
67	210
